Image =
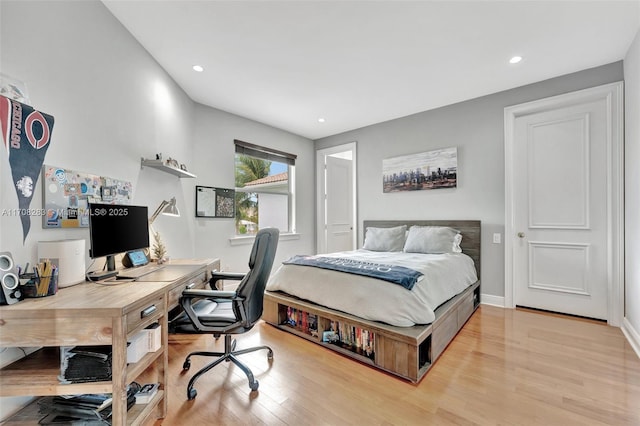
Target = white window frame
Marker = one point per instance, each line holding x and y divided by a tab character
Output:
256	151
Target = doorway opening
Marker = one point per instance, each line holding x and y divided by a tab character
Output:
336	227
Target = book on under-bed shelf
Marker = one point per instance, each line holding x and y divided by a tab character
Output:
355	339
302	321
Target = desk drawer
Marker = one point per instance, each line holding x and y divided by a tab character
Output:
144	314
174	293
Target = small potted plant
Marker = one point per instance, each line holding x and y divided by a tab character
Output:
159	249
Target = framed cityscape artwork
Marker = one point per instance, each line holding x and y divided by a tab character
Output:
426	170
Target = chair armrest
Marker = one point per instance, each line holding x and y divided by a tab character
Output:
217	276
211	294
228	275
188	299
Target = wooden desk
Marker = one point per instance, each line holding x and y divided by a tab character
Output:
95	314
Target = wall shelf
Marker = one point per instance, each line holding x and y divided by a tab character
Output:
160	165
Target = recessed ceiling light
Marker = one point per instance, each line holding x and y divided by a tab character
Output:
198	68
321	120
515	59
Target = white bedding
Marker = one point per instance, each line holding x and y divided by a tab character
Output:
445	275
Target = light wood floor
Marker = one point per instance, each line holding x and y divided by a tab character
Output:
505	367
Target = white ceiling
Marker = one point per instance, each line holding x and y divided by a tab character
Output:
356	63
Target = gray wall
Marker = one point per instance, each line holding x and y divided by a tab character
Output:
476	128
632	189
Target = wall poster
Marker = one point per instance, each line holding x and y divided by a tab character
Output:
67	194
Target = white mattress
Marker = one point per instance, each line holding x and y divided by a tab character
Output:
445	275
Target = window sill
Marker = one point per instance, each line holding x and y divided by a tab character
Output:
245	240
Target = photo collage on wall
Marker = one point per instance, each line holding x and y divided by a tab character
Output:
67	194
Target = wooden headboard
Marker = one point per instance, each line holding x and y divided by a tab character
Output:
470	230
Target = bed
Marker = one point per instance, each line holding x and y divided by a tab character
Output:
385	325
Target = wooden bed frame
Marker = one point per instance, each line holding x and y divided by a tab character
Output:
407	352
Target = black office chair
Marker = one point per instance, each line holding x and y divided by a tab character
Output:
229	312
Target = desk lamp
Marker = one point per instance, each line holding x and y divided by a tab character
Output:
167	208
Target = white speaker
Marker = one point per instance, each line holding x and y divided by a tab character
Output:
68	256
9	280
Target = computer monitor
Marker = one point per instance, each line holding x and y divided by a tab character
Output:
116	229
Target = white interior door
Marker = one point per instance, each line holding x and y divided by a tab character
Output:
336	224
562	205
339	204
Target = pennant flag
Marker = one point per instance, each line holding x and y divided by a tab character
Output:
26	134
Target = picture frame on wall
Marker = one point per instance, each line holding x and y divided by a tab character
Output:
426	170
215	202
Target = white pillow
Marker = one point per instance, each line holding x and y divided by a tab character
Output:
385	239
433	240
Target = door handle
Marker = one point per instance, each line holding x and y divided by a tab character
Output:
520	234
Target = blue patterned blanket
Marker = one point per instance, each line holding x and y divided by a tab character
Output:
400	275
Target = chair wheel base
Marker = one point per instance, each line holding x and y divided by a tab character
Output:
270	355
191	394
254	385
186	365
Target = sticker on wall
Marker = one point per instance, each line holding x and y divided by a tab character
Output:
13	88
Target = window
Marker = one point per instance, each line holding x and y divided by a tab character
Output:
264	183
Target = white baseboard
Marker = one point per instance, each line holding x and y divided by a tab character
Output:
632	335
488	299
